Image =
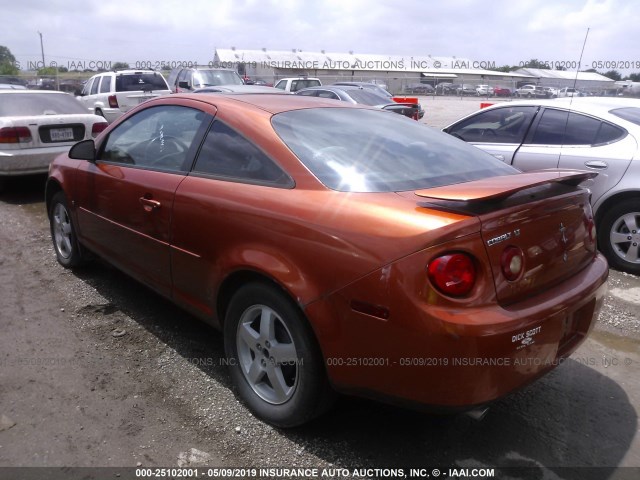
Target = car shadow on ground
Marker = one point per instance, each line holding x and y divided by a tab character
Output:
23	190
573	417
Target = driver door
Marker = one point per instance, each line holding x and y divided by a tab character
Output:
126	213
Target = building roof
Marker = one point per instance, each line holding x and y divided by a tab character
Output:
428	65
563	75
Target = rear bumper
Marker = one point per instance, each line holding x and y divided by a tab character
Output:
29	161
453	359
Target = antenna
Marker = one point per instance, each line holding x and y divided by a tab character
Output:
575	80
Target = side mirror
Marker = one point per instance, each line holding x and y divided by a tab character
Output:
184	84
85	150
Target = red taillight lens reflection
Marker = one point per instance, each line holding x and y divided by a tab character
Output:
97	128
512	263
453	274
113	101
15	135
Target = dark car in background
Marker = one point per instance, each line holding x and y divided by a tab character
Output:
419	89
445	88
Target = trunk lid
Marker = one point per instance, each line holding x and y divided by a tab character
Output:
541	213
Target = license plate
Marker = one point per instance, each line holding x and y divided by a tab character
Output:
61	134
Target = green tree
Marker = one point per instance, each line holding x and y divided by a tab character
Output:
120	66
48	71
634	77
613	75
506	68
8	64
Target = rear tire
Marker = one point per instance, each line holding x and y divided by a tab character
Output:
275	362
619	236
63	233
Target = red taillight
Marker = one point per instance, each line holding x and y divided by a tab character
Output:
113	101
15	135
512	263
591	228
97	128
453	274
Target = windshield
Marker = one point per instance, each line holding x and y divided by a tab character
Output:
359	150
204	78
630	114
28	104
133	82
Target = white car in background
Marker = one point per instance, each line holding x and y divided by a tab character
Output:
598	134
484	90
293	84
110	94
38	125
568	92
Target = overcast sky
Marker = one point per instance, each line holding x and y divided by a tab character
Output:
500	31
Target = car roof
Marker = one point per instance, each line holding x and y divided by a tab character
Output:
241	89
21	91
269	102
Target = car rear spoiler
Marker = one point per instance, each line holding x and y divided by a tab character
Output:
495	188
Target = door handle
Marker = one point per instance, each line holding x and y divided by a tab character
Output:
597	164
149	204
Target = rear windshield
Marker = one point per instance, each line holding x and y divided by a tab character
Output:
213	78
367	97
132	82
359	150
28	104
630	114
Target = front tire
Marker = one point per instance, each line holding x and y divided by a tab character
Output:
619	236
63	233
275	362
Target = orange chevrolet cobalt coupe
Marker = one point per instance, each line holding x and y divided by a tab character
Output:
339	248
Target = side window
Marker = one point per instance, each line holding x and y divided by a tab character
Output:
87	86
308	93
282	84
105	86
559	127
158	138
226	153
94	87
500	125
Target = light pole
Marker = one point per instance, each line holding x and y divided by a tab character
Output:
41	49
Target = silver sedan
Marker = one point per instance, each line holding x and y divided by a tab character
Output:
597	134
38	125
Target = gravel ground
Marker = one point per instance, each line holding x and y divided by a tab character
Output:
96	370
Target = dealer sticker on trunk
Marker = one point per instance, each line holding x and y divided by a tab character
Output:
526	338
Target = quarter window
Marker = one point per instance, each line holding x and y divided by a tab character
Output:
105	86
94	87
157	138
225	153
